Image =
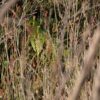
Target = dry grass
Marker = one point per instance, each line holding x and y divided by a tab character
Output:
49	50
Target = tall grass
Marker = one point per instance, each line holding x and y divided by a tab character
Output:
49	50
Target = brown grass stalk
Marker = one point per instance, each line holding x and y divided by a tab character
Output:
5	8
96	88
88	62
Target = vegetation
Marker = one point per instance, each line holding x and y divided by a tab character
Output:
42	49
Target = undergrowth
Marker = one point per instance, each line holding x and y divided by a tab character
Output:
42	46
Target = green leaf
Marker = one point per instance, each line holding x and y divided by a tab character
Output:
38	37
5	63
37	43
66	52
32	40
39	46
